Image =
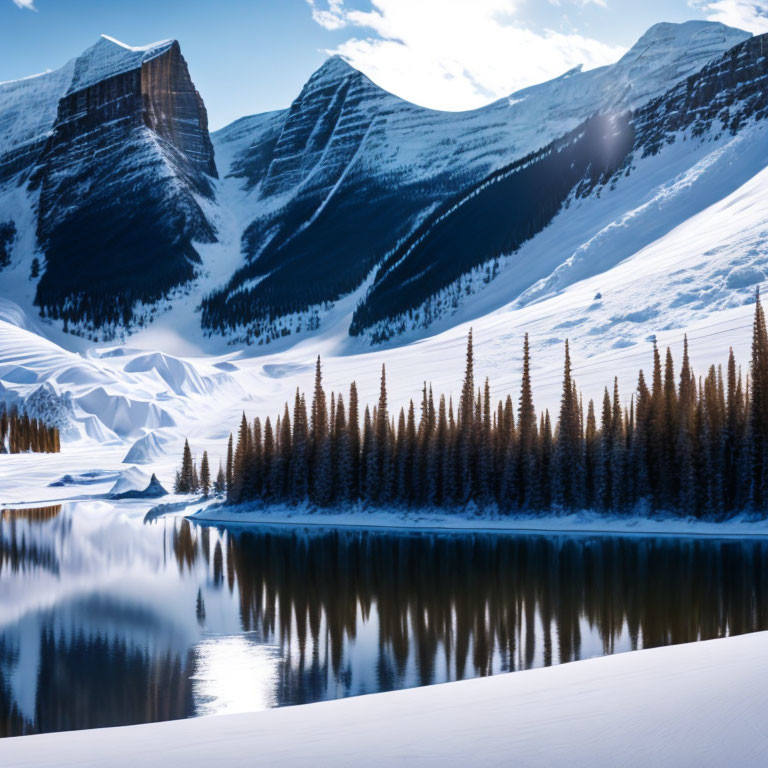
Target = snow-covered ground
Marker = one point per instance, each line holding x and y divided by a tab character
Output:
479	520
701	704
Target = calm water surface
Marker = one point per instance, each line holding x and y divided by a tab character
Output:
106	620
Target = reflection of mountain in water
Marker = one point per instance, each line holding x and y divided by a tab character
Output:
143	687
12	720
98	682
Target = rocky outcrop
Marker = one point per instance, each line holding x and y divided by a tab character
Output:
725	95
174	110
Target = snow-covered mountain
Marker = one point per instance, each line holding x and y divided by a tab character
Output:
108	178
341	179
110	158
607	207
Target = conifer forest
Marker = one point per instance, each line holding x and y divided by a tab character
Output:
20	433
684	443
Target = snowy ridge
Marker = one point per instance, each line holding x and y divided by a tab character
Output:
344	141
109	57
27	113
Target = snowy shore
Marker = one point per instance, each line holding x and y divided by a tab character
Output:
701	704
362	518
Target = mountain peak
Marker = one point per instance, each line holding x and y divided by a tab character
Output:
109	57
334	68
667	40
159	45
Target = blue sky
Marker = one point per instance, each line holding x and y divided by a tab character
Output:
249	56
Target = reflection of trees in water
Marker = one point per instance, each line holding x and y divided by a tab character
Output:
33	514
471	605
97	682
18	550
184	545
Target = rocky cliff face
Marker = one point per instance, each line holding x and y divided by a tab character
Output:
117	211
27	113
116	172
174	110
723	95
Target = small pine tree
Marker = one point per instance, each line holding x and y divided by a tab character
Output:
205	475
220	484
186	482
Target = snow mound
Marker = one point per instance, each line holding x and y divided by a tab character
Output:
78	375
744	277
145	450
123	415
181	377
97	431
13	314
115	352
19	374
131	479
153	491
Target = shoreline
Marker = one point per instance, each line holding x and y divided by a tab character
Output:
576	524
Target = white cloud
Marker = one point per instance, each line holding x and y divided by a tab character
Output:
454	54
751	15
28	4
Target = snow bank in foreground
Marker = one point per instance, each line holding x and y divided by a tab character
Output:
428	520
699	704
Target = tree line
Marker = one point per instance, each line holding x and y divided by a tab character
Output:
685	444
20	433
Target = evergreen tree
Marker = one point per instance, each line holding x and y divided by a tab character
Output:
220	484
186	478
568	472
230	462
758	422
527	436
205	475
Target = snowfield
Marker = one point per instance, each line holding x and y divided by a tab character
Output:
701	704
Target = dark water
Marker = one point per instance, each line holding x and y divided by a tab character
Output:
105	620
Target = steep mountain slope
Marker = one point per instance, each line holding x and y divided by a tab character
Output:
343	177
425	277
422	219
116	160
